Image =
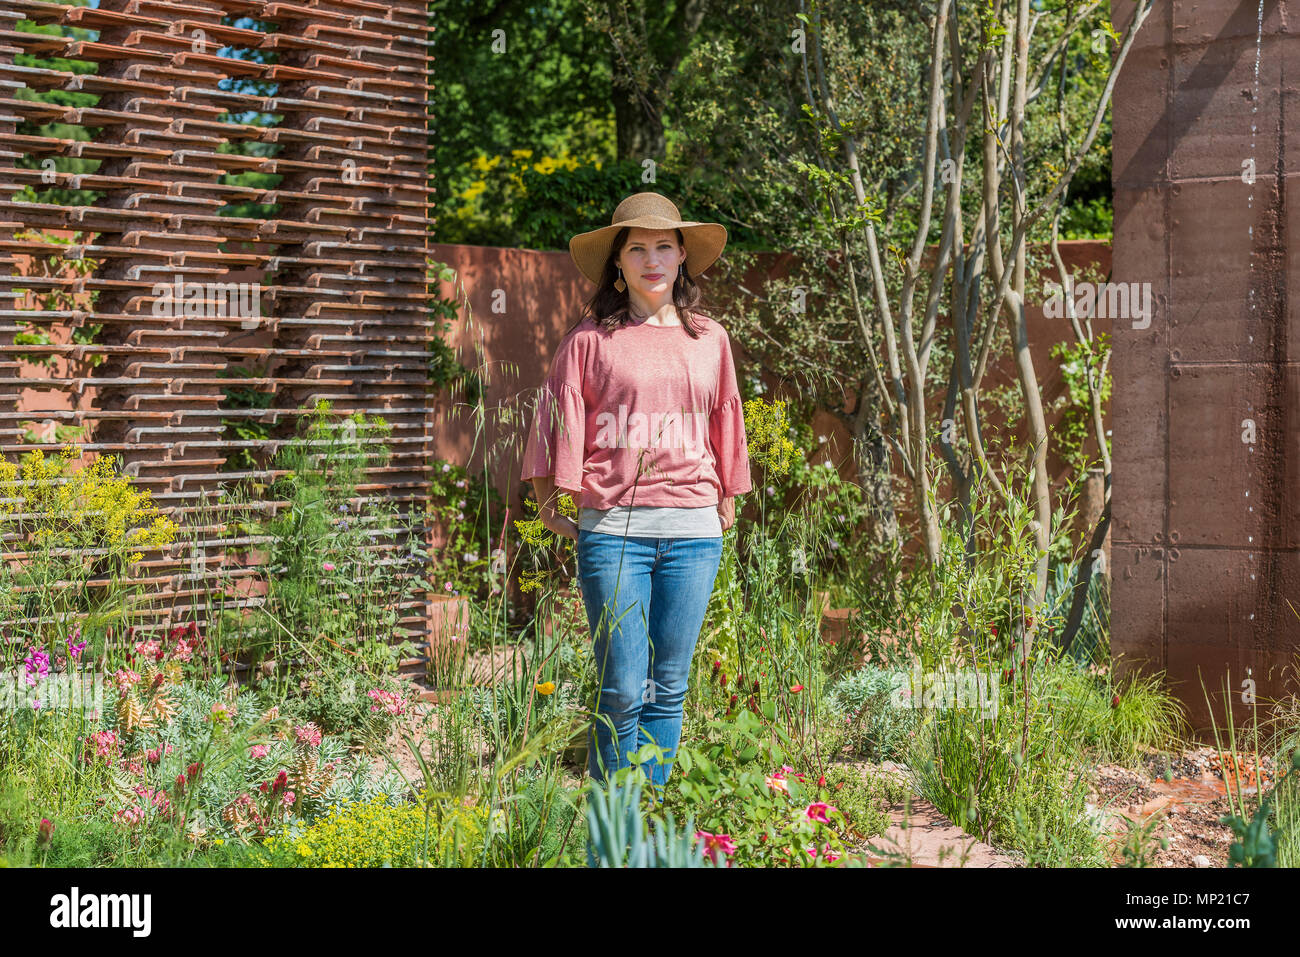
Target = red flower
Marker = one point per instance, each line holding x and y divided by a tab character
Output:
1114	702
821	781
724	679
795	689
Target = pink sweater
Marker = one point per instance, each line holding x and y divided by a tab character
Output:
645	401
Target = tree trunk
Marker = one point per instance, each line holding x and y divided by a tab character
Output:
638	121
871	456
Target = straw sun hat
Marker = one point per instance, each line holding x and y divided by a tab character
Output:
704	241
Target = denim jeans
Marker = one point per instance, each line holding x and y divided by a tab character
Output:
645	600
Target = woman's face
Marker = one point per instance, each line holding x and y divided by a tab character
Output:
649	260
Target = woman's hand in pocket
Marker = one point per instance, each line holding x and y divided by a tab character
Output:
727	512
560	524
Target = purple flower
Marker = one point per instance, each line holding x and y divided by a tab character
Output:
37	664
75	648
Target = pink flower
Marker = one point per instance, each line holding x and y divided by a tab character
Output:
104	744
258	751
817	811
125	678
328	566
715	844
795	689
387	701
828	854
776	782
288	799
147	649
308	734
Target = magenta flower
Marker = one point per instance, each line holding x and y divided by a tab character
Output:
818	810
37	664
328	566
104	744
75	648
715	844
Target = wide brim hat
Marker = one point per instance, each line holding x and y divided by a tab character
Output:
704	241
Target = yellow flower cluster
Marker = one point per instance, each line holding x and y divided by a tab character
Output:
767	429
375	834
518	161
92	507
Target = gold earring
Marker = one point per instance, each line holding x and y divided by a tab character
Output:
619	284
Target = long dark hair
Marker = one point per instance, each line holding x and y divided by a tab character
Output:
610	309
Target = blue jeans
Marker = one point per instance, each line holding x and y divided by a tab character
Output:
645	600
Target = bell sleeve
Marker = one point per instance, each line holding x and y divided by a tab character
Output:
557	439
727	430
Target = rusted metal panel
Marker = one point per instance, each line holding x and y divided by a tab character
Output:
325	298
1205	514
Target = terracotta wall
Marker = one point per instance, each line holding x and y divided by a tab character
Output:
1207	528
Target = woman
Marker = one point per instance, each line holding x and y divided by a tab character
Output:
641	421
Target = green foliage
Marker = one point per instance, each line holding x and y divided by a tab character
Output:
324	579
245	428
1090	644
445	369
1078	361
621	837
872	726
735	784
1113	719
538	817
470	515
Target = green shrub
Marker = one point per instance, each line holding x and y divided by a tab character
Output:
872	726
